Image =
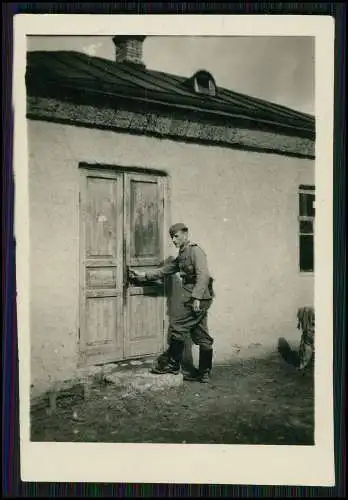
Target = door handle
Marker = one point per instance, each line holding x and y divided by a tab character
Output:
129	280
137	280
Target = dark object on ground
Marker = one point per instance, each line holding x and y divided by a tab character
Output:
287	353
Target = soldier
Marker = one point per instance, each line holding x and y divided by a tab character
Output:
191	308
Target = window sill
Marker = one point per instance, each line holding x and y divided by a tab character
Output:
307	274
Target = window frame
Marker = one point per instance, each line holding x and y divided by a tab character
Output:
306	190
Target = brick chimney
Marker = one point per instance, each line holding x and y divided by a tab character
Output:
129	49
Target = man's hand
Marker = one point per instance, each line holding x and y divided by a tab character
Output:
196	305
133	274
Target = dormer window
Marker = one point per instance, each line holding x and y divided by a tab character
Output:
204	83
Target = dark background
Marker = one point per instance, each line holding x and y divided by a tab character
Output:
11	483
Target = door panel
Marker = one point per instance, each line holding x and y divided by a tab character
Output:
102	315
145	305
145	325
101	277
101	224
145	211
101	308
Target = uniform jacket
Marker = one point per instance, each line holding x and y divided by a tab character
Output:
191	263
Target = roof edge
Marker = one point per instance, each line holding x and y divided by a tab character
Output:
167	126
103	98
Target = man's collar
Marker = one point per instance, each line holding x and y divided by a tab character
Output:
181	249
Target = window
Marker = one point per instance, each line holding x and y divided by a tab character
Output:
204	83
306	227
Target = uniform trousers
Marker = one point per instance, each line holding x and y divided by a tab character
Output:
186	322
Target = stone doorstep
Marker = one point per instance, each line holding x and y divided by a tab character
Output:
98	372
134	375
142	380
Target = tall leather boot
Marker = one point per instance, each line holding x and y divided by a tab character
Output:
204	368
205	365
174	354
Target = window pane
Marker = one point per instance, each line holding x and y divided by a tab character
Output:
306	253
310	205
302	204
306	206
306	226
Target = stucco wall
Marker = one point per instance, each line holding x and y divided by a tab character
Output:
240	206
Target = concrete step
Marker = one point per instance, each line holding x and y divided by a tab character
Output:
141	380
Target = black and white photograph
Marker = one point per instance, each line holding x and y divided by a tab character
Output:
169	206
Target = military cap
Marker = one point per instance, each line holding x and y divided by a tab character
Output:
179	226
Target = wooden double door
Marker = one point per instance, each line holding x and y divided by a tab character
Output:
122	223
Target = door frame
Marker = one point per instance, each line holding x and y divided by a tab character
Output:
83	357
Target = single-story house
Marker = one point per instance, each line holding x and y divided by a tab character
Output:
118	152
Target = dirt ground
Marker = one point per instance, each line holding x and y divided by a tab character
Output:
260	401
